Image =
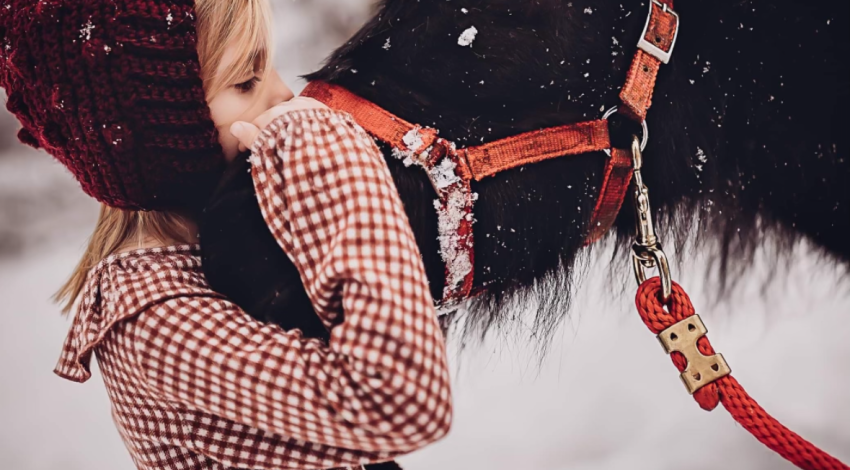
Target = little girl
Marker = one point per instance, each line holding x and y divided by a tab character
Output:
137	99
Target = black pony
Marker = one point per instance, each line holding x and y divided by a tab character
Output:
745	138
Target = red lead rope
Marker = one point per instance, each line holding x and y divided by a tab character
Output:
727	390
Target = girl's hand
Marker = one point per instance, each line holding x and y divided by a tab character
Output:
247	132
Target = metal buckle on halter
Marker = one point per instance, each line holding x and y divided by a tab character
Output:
701	370
649	47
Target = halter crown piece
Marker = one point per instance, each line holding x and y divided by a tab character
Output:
663	305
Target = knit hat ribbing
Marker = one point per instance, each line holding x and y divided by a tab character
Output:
112	89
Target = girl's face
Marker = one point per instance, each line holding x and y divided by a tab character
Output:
244	100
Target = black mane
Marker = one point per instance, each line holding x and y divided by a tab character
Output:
744	127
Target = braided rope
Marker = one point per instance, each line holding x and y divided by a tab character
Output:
727	390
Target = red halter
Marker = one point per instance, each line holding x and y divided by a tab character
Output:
451	169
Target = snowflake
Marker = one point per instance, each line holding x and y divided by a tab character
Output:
85	32
467	37
702	159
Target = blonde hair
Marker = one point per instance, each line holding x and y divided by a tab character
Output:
244	26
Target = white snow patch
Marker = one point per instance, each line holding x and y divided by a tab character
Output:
387	45
413	140
414	143
407	157
443	174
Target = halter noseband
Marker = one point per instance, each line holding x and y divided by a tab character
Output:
451	169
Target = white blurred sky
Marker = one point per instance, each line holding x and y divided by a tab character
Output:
605	398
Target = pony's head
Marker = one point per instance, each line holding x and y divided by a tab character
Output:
743	126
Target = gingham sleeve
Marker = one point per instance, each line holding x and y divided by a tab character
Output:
381	384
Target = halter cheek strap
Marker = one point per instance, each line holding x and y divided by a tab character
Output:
654	48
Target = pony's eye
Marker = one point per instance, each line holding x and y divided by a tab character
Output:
247	86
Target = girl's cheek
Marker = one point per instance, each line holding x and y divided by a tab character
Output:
227	108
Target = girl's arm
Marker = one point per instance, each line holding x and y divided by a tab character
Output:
381	384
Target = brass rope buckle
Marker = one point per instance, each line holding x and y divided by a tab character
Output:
681	337
646	251
701	370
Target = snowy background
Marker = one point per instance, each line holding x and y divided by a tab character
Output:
606	397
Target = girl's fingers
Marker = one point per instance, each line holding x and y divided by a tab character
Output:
245	133
295	104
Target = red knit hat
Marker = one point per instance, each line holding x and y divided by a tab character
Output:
112	89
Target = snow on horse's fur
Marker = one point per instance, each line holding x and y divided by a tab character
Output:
744	139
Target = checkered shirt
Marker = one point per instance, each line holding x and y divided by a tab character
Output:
195	383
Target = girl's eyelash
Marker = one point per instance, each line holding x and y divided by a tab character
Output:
245	87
